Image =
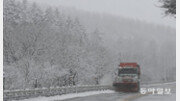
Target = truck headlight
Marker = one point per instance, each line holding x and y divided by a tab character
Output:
118	79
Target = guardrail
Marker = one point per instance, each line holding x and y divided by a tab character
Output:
30	93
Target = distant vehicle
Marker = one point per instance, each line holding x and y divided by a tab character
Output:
127	78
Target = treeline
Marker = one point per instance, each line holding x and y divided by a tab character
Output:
44	48
52	47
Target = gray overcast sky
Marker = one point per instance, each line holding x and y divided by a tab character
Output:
146	10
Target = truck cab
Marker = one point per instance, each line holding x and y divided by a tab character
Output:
128	77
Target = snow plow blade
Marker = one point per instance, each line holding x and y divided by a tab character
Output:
126	87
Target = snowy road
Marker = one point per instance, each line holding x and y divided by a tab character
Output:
130	96
157	98
109	95
102	97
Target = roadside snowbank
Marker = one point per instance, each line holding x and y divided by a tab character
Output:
68	96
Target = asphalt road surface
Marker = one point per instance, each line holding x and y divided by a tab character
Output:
102	97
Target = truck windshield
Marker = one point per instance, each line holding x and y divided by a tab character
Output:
127	71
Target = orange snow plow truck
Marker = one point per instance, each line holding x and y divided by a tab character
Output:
127	78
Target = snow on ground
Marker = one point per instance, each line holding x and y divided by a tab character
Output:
171	97
159	97
68	96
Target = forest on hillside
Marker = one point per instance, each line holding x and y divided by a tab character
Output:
49	47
